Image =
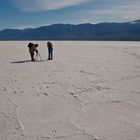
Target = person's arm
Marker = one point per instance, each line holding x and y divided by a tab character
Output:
36	50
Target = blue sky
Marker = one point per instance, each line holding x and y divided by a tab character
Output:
35	13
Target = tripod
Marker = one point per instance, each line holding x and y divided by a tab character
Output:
38	56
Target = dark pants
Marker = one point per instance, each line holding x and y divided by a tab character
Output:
50	54
32	56
32	53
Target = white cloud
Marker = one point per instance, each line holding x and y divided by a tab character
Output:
45	5
122	10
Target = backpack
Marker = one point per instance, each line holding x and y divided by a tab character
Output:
30	45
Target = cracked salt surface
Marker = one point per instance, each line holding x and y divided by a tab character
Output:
90	91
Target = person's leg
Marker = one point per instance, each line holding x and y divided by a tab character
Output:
32	56
51	54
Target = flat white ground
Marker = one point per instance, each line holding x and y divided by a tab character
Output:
91	89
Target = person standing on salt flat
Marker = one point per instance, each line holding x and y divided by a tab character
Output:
50	50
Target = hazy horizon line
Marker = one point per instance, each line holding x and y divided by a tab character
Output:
34	27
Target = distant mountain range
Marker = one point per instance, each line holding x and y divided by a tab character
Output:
101	31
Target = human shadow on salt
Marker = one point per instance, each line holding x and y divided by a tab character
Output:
39	61
26	61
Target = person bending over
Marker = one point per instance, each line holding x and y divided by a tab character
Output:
33	50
